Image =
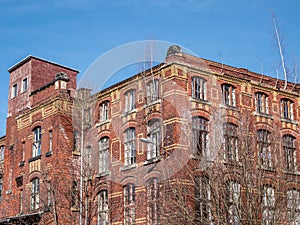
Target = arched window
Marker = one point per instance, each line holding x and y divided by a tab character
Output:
228	94
287	110
264	148
104	111
199	88
200	136
35	193
262	103
152	90
130	146
289	149
129	204
154	133
103	154
102	208
37	142
231	142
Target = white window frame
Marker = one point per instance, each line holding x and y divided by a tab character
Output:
200	136
268	204
35	193
2	152
264	149
154	133
287	109
289	149
104	111
234	198
293	206
37	142
153	203
231	153
228	95
130	146
103	154
14	91
203	200
130	100
262	103
199	88
24	84
152	90
50	140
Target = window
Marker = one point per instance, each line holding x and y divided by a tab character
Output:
153	201
268	203
264	148
88	155
198	88
154	135
129	100
262	103
104	111
14	91
202	200
228	92
293	206
103	154
2	150
289	149
129	204
200	136
130	150
286	107
50	141
36	147
102	208
75	195
231	142
24	85
152	91
233	202
35	193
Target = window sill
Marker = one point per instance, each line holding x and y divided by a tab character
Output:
128	167
47	154
75	209
263	115
8	192
103	174
102	123
34	158
289	120
267	169
22	163
76	153
192	99
229	107
157	101
150	161
129	112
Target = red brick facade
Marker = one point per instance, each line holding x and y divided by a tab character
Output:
127	181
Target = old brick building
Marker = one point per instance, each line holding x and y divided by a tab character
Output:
189	141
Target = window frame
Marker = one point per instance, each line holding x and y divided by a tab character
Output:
130	100
231	139
268	205
2	154
152	91
14	90
228	95
289	149
104	111
152	190
265	154
35	193
24	84
129	204
154	133
37	141
199	88
103	145
287	108
233	201
200	136
293	206
130	146
262	103
203	206
102	201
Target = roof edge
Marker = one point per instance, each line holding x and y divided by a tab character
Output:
29	57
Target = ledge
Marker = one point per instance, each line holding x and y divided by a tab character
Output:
198	100
288	120
129	112
103	174
34	158
102	123
263	115
158	101
234	108
128	167
153	160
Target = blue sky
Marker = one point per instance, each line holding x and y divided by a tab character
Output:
76	32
